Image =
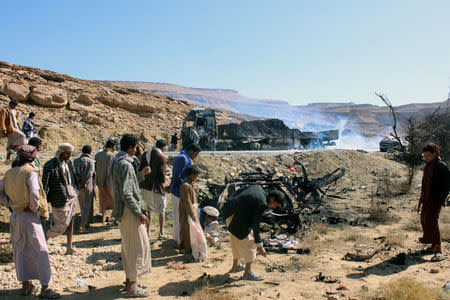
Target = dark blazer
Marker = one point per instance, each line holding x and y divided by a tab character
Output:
54	183
440	182
157	177
247	207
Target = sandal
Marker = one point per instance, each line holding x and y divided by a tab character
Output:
240	267
252	276
163	237
49	294
138	284
437	257
137	292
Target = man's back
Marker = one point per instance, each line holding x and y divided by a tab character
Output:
125	187
102	160
182	161
84	168
246	207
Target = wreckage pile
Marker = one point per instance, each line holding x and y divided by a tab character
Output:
308	179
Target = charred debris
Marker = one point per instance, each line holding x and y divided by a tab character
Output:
303	195
267	134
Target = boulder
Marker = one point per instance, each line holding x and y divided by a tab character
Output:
5	64
127	103
287	161
4	99
16	91
53	77
86	99
48	96
92	119
110	100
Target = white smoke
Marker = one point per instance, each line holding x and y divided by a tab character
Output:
355	140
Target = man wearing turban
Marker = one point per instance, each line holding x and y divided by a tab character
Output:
60	185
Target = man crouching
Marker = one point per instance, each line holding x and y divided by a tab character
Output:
243	217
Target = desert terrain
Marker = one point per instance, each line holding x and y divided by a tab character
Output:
76	110
373	208
367	119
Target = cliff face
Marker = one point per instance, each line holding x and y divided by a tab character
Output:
370	120
83	112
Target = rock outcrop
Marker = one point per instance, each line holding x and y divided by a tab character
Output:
83	112
16	91
48	96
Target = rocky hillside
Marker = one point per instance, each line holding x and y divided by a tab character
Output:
88	112
367	119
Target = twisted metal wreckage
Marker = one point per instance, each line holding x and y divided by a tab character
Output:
302	195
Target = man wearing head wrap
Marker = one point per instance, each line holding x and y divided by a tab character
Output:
85	170
29	206
208	221
60	184
102	178
9	128
435	188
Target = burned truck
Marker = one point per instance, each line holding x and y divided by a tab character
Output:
203	123
270	134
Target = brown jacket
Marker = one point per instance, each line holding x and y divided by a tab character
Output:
6	122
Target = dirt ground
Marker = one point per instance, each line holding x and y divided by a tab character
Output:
374	208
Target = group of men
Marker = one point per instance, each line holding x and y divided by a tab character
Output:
135	188
9	127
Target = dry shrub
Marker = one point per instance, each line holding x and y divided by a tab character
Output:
380	214
445	216
300	263
354	236
413	224
313	238
6	253
406	288
384	184
322	228
396	239
312	242
212	294
403	288
445	232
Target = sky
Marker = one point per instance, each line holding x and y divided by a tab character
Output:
298	51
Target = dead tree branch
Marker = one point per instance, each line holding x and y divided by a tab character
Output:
388	103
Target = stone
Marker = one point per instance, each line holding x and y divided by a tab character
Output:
287	161
16	91
100	262
434	271
53	77
92	119
49	96
5	64
86	99
4	99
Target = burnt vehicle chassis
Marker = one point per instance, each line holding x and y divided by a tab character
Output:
204	122
302	195
271	134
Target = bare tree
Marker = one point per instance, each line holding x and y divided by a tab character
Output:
388	103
